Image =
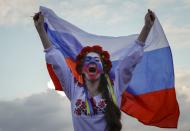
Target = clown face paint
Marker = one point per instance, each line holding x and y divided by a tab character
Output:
92	67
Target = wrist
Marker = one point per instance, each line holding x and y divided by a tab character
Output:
40	28
147	26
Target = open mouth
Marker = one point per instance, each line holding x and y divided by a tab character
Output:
92	68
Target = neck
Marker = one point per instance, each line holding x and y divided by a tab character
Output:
92	87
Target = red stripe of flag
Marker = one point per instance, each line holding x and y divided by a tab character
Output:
159	108
54	78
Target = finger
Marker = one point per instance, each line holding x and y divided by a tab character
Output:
41	17
151	14
149	10
36	16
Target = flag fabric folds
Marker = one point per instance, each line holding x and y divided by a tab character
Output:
150	96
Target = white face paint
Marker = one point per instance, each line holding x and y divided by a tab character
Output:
93	54
92	67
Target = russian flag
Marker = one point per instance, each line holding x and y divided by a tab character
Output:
150	96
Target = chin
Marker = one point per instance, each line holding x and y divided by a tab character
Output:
93	79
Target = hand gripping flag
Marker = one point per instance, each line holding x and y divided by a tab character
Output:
150	96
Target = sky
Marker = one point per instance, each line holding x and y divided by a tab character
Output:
27	101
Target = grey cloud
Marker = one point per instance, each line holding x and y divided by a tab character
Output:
41	112
17	11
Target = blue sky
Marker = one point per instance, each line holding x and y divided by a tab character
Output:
22	69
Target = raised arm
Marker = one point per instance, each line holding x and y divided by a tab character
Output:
134	54
149	21
39	24
55	59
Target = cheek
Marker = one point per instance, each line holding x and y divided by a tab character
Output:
99	67
85	67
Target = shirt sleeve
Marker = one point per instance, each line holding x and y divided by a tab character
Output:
127	65
56	59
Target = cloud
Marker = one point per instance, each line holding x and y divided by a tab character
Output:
17	11
183	95
109	12
177	35
51	86
183	83
39	112
154	4
186	3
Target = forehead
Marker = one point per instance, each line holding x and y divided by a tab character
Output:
93	54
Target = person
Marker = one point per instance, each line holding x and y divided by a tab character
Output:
95	103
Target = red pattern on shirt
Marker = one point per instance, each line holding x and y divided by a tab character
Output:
80	107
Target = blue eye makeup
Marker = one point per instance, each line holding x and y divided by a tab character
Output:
88	58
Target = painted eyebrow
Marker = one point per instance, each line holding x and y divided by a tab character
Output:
88	58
